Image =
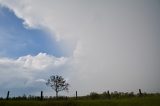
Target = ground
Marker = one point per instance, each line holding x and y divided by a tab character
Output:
133	101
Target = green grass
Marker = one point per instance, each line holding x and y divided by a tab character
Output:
134	101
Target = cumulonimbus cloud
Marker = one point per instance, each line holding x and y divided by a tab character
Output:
115	44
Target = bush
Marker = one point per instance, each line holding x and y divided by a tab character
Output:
94	95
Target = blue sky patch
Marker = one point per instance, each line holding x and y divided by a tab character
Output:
16	40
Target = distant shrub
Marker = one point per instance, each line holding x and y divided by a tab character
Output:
94	95
106	95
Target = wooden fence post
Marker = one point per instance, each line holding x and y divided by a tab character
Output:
41	95
140	92
109	96
8	95
76	94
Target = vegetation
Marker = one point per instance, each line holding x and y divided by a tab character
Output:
57	83
94	99
135	101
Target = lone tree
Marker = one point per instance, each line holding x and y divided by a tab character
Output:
58	84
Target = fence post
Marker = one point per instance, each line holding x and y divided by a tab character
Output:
76	94
41	95
109	96
8	95
140	92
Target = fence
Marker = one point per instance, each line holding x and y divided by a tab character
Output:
92	95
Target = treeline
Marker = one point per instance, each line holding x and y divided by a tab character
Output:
116	95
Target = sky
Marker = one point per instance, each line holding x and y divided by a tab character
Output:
96	45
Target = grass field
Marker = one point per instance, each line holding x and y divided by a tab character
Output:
134	101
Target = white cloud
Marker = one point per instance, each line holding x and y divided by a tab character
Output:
40	62
115	42
26	71
41	80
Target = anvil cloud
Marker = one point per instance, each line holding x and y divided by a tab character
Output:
114	44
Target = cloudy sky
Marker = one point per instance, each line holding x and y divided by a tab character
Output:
96	45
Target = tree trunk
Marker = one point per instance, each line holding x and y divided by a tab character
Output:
57	94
